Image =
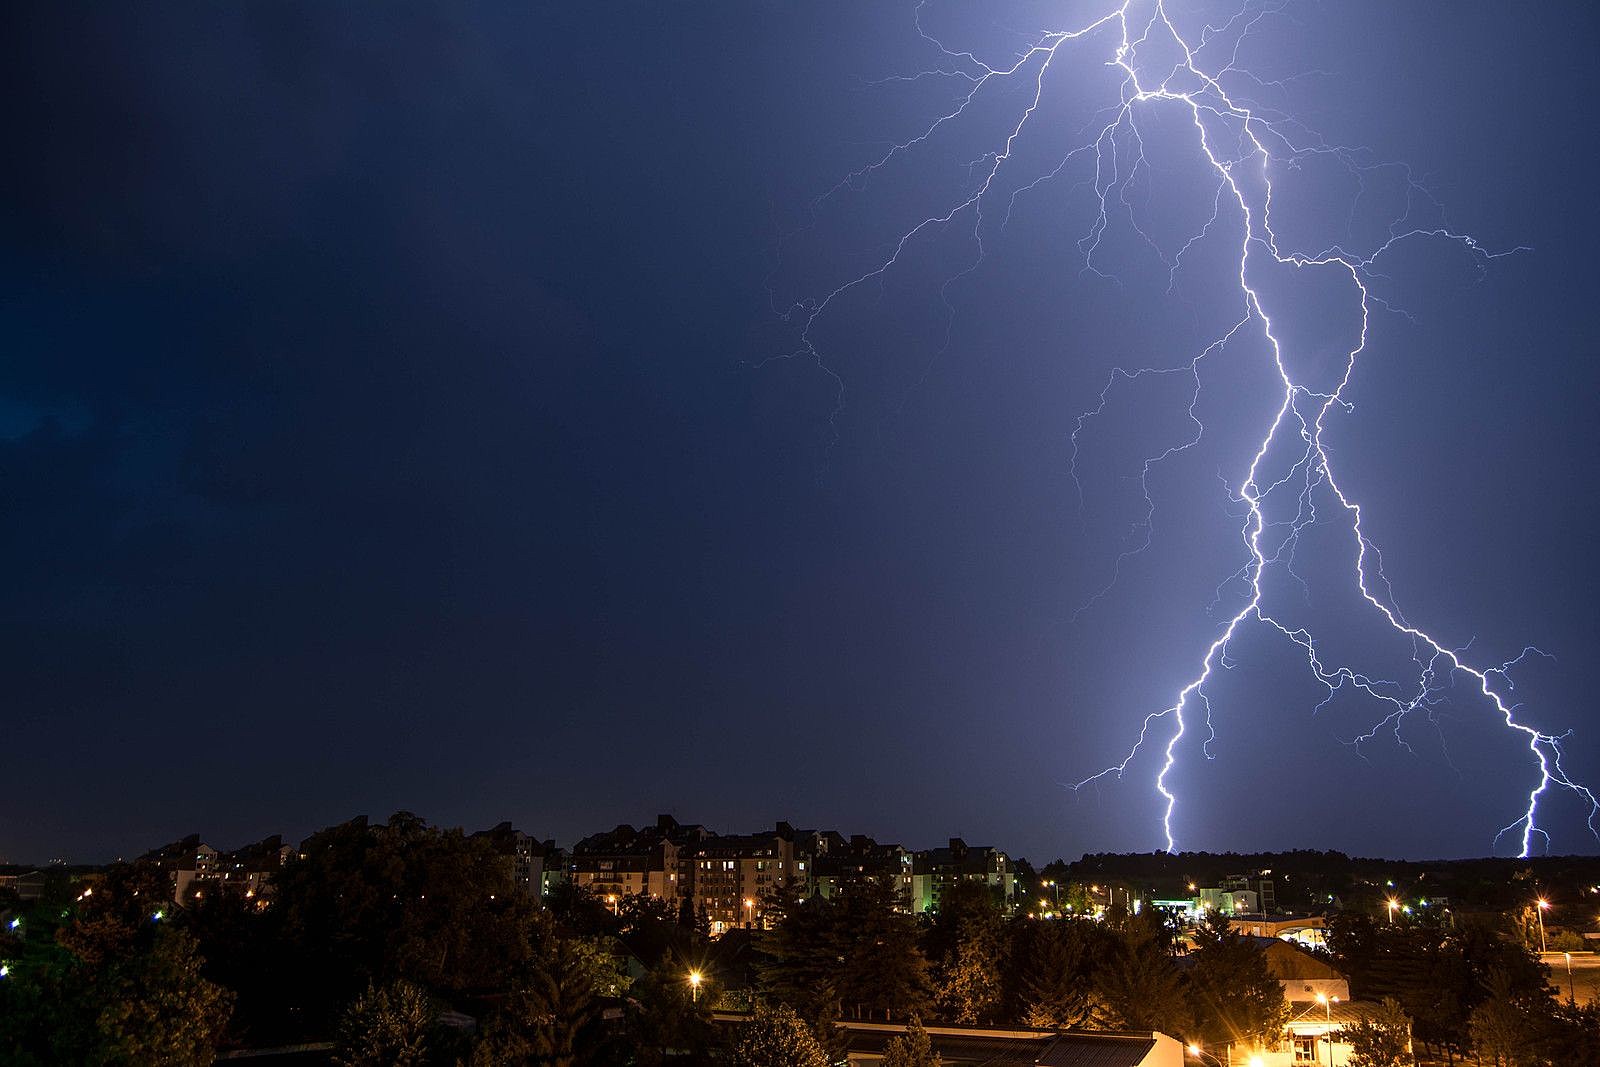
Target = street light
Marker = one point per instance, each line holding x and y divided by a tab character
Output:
1393	904
695	978
1327	1003
1544	905
1572	991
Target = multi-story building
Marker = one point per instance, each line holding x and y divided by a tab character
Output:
250	869
628	862
838	863
1258	883
194	866
1227	901
557	870
936	870
527	854
735	875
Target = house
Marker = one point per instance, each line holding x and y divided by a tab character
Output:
1319	1006
972	1046
1308	930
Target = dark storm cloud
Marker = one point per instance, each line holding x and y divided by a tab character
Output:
377	429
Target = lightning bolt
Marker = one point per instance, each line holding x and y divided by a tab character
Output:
1244	144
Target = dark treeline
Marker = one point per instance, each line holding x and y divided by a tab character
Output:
407	944
1305	878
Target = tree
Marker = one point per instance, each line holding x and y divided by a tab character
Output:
913	1049
1572	1036
1234	993
1508	1025
884	970
1141	986
1053	973
386	1025
159	1011
405	900
970	988
776	1037
802	957
1500	1032
666	1014
550	1016
854	953
1383	1039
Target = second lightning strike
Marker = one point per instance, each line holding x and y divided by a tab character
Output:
1242	145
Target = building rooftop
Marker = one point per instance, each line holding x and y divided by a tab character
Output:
969	1046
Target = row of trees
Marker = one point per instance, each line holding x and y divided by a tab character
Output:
856	957
377	933
389	938
1468	989
372	937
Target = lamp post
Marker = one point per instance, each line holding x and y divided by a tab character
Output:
1543	906
695	978
749	913
1393	904
1327	1003
1572	990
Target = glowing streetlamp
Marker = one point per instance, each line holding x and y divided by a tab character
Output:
1327	1003
695	978
1572	991
1392	904
1544	905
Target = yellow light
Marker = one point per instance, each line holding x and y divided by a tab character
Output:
1257	1061
1543	904
1322	998
695	978
1194	1050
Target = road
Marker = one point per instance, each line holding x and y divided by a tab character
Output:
1585	981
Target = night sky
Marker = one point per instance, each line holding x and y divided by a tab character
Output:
387	422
